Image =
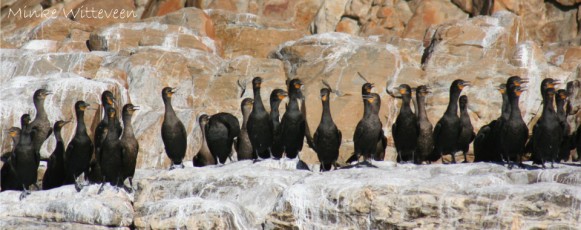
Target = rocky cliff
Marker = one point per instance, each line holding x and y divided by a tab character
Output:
79	48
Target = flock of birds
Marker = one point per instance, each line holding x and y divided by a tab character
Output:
111	155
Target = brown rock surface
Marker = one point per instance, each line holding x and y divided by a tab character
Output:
162	7
432	12
105	12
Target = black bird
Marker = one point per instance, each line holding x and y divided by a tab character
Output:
547	133
259	126
447	130
79	150
486	142
7	174
292	126
327	138
221	130
467	132
566	146
243	145
173	132
276	97
25	158
111	156
382	143
425	145
368	131
40	126
546	84
129	145
405	130
204	156
514	133
107	101
54	176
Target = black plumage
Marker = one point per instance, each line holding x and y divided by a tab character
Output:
467	131
566	142
292	125
243	145
514	132
111	156
382	143
129	144
40	126
7	173
547	132
204	156
486	142
447	130
546	84
368	131
107	101
54	176
327	137
276	98
173	131
259	126
221	130
405	130
25	158
425	145
80	148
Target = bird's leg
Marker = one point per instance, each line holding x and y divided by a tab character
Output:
102	188
36	186
78	186
552	161
130	188
453	158
465	157
24	193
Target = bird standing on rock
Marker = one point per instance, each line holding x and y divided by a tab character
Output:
173	132
221	130
111	156
486	143
368	131
54	175
425	145
467	131
448	128
40	126
276	98
292	126
514	133
405	129
243	145
204	156
80	149
327	137
259	125
129	145
107	101
25	158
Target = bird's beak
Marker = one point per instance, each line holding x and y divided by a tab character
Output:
135	107
467	83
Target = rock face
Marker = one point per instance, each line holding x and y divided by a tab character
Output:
208	48
273	194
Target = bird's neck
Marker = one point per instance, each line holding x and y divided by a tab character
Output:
274	114
548	106
514	109
561	108
169	108
293	103
127	126
421	107
245	115
326	115
453	103
505	106
257	99
58	136
81	122
405	105
40	112
463	111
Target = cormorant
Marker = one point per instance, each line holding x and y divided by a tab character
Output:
566	146
107	101
173	132
368	131
327	138
129	145
276	97
405	130
547	83
243	145
221	130
40	126
111	156
79	150
447	130
425	145
7	173
467	133
486	142
259	126
204	156
382	143
54	176
547	133
292	126
25	158
514	132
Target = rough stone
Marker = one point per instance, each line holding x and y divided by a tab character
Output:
103	13
430	13
162	7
